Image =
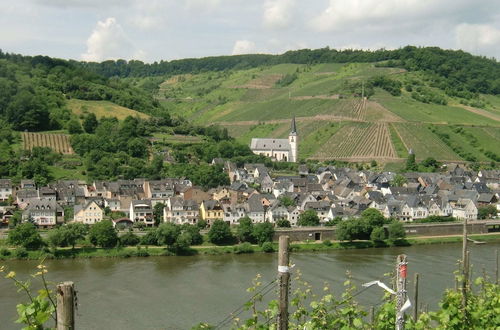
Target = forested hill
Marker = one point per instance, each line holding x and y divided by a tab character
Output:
34	91
452	69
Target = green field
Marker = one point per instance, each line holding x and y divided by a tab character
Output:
423	142
102	109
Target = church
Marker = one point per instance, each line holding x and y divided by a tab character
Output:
281	150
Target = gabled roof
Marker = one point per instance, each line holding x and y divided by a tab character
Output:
270	144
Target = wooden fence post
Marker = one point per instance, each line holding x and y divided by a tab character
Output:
415	298
401	270
284	282
65	306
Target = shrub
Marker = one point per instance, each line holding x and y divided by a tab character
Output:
129	239
20	253
220	233
4	252
267	247
327	243
243	248
26	235
141	252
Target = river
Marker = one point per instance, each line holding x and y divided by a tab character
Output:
179	292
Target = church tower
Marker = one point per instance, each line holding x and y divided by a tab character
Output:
293	139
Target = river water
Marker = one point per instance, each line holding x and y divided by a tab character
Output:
179	292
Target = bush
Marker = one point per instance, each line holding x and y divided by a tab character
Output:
103	234
283	223
243	248
327	243
149	238
20	253
267	247
129	239
4	252
141	252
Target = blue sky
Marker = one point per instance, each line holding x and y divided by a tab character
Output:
152	30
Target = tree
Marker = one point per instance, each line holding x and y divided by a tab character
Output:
283	223
220	233
378	234
398	181
263	232
202	224
485	212
373	217
158	213
245	230
349	230
396	231
167	234
74	127
194	231
25	235
286	201
90	123
103	234
308	218
411	164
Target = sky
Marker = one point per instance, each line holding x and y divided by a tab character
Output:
154	30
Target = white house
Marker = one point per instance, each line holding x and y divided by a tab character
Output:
88	214
465	209
142	211
5	189
180	211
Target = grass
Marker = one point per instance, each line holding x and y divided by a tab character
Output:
414	111
177	138
319	133
399	146
102	109
423	142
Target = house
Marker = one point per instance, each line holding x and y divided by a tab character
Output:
180	211
88	214
142	211
25	196
211	210
256	210
285	150
113	204
159	189
44	213
465	209
234	212
5	189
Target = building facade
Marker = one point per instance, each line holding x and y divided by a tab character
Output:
281	150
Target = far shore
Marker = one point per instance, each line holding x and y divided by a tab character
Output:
146	251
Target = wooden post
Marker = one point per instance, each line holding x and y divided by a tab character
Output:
415	298
284	282
401	268
372	316
65	306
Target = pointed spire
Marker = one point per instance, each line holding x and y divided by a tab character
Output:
294	126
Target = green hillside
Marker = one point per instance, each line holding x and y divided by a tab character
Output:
403	110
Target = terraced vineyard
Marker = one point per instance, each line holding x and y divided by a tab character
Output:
423	142
362	141
57	142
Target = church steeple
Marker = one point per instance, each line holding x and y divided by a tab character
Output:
293	130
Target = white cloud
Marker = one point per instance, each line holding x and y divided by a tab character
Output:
278	13
243	47
109	41
478	38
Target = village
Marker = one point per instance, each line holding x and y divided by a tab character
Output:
332	193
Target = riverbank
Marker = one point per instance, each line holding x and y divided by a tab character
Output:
145	251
